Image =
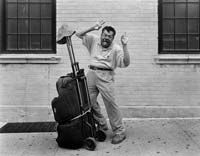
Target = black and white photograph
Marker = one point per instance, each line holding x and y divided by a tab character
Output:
99	77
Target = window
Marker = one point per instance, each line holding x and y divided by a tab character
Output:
30	26
179	26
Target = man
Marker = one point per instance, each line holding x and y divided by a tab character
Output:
106	56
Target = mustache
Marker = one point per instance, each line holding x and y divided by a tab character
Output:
106	40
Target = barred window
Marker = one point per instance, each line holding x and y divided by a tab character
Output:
179	29
30	26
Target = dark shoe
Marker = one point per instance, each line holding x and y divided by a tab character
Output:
118	138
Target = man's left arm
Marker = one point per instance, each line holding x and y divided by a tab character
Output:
124	41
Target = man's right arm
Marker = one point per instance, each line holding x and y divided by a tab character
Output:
97	26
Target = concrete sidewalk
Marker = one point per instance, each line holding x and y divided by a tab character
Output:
145	137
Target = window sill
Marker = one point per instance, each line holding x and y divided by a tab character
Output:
29	59
177	59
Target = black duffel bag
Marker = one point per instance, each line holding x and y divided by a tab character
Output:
70	134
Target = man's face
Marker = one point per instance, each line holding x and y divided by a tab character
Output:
106	38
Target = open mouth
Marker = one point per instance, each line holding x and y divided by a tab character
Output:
105	42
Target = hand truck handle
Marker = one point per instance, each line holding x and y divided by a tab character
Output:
74	64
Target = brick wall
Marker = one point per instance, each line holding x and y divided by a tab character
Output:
139	20
143	86
144	82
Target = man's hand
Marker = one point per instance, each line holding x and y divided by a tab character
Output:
124	39
98	25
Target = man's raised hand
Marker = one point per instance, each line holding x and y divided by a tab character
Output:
124	39
98	25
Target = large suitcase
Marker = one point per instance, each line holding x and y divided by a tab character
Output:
72	108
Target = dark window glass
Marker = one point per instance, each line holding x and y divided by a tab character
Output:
22	10
12	26
23	41
23	26
35	10
35	41
46	10
46	42
35	26
180	10
193	10
168	26
168	10
11	10
12	44
193	26
180	42
168	42
46	26
36	1
193	41
180	26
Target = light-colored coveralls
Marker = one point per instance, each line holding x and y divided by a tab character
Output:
101	81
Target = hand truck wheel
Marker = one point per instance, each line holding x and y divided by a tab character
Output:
100	135
90	143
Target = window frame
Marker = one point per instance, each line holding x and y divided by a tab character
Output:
160	31
29	51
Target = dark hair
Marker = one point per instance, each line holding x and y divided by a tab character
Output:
109	28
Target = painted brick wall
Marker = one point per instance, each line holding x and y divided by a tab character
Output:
143	83
139	20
